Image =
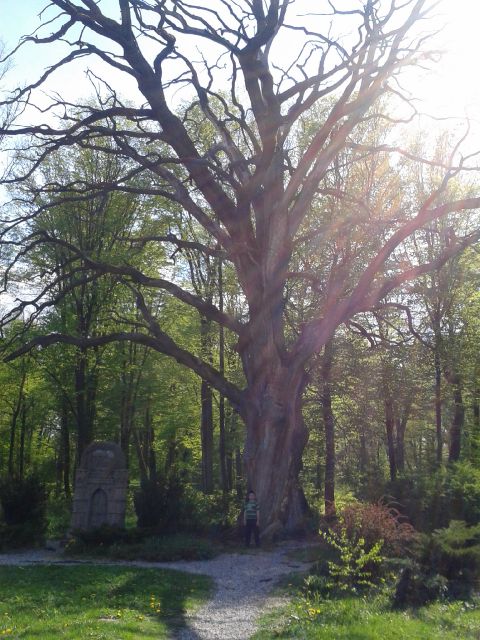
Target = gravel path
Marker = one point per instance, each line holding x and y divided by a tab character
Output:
243	587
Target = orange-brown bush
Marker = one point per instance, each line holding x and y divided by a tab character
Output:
374	522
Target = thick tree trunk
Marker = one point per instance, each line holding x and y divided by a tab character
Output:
329	427
276	438
238	473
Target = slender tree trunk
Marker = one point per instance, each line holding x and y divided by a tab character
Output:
84	437
229	459
401	424
23	429
144	446
388	404
456	429
438	409
390	430
13	424
206	420
171	455
91	394
222	445
329	427
65	448
363	451
127	404
221	408
152	459
207	437
86	384
476	421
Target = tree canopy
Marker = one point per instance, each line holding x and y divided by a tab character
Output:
261	135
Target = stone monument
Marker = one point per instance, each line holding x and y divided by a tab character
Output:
100	487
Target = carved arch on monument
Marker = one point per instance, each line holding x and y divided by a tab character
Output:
98	513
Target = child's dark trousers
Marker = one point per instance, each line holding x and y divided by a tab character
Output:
251	527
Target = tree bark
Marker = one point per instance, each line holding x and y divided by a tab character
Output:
221	408
65	448
329	427
276	438
438	408
390	430
206	430
476	422
206	419
230	453
13	424
84	401
144	440
456	429
256	202
401	426
239	473
23	429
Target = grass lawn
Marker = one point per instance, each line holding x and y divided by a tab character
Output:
372	619
104	603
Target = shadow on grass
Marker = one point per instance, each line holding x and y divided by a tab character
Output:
170	605
68	602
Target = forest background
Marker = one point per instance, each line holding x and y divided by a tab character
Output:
109	259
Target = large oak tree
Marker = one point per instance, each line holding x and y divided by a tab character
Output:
253	69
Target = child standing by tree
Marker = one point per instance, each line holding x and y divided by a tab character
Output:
251	518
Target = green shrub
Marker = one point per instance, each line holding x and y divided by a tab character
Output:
431	500
421	497
455	551
356	566
59	513
215	513
448	558
161	504
418	586
104	536
139	544
317	584
165	549
23	502
462	487
168	504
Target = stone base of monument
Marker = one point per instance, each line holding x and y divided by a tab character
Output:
100	487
